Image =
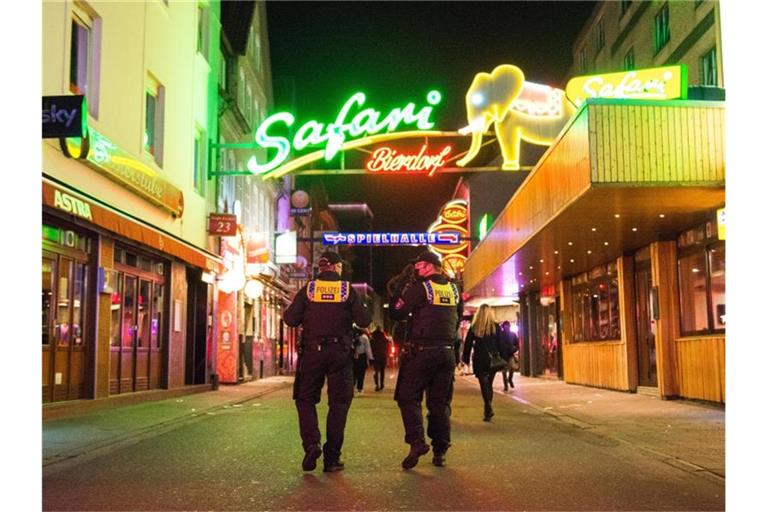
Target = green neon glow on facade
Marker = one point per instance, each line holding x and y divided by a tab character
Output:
350	122
485	224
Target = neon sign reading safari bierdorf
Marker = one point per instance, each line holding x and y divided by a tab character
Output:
351	121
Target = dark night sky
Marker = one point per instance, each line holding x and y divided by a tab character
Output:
396	52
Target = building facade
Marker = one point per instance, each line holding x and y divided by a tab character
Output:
126	269
615	242
255	289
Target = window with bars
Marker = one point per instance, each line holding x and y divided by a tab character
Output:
661	28
708	68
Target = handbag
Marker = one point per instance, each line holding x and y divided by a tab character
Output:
514	362
497	363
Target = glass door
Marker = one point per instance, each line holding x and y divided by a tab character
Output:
128	329
646	339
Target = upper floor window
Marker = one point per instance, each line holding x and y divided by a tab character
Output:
600	35
625	6
583	60
85	56
202	30
629	60
708	68
661	29
154	113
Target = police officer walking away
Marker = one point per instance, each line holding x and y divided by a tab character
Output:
436	307
326	307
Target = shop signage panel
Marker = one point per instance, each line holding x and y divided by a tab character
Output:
663	83
120	166
721	224
453	216
64	116
443	238
222	224
388	160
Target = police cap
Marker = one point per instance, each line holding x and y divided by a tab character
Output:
428	257
329	258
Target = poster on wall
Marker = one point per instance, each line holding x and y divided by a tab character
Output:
227	343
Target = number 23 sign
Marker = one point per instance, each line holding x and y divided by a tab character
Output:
222	224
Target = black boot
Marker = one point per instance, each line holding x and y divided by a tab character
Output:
332	466
438	459
310	457
417	450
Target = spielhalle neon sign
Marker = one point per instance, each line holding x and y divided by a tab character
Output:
444	238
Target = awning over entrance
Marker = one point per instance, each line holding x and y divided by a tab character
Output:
80	206
622	174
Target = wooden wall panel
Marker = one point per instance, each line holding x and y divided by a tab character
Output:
104	304
701	367
664	276
596	363
658	142
177	340
561	176
626	268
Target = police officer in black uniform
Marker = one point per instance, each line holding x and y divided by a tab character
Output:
436	307
326	307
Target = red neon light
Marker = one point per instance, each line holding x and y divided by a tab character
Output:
386	159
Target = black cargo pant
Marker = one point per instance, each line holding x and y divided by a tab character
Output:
429	370
316	363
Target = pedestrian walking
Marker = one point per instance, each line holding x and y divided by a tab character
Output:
326	307
435	305
363	356
481	340
379	345
511	346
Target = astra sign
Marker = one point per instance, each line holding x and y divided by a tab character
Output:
443	238
352	121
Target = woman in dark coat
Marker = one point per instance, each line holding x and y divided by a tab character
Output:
482	337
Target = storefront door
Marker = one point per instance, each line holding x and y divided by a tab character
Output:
65	291
137	324
646	340
549	339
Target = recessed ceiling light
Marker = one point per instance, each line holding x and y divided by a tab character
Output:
605	243
570	243
634	229
589	252
541	261
695	270
661	215
616	215
546	273
519	273
571	260
556	252
558	266
530	268
594	229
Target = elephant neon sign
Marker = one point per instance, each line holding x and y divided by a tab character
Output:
364	126
519	110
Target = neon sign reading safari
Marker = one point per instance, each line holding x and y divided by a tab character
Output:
362	124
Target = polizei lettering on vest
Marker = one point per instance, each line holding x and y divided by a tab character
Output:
72	205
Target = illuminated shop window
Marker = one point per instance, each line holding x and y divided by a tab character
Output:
85	49
154	120
629	60
708	68
661	29
701	278
595	312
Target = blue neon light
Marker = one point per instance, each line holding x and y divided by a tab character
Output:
442	238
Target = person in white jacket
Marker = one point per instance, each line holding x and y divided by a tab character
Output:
363	357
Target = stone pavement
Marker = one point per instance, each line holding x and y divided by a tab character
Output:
687	435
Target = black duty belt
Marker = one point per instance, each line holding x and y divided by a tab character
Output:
323	341
419	348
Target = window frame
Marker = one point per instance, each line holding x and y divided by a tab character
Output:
154	148
625	5
200	160
661	18
600	34
630	52
84	16
705	58
202	44
582	55
704	247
